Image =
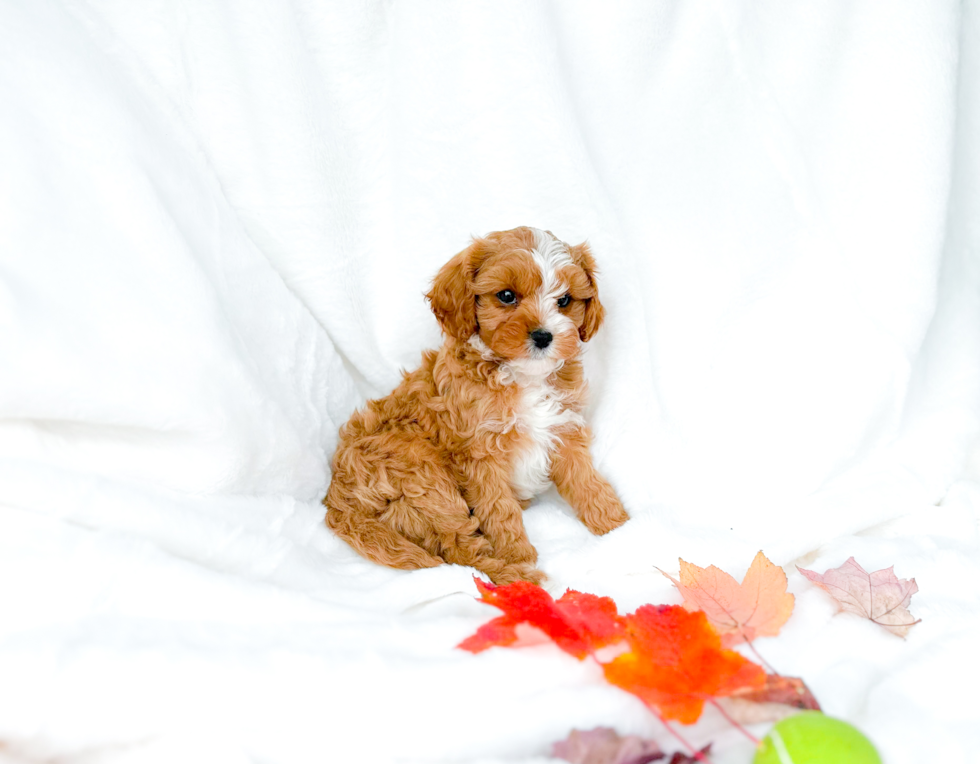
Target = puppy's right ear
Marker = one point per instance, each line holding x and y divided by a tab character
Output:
595	314
452	298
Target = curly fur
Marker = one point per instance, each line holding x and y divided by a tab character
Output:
442	468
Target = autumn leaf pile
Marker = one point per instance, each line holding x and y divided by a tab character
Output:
673	658
677	658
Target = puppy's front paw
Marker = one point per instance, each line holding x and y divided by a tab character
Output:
513	573
522	551
605	514
515	549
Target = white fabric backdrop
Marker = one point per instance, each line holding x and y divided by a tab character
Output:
217	222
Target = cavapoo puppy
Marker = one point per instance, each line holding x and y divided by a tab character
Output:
442	469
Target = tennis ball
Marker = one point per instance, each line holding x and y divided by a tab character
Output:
812	738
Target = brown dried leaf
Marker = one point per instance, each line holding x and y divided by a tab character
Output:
781	696
787	690
680	757
604	745
878	596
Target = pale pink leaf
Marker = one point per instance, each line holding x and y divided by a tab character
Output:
878	596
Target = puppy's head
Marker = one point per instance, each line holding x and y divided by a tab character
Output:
527	296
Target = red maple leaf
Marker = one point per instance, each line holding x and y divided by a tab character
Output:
578	623
676	662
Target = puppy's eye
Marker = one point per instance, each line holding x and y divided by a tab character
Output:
507	297
564	301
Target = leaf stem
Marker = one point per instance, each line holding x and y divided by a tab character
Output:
731	721
698	756
762	660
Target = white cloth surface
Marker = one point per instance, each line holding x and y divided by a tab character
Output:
217	222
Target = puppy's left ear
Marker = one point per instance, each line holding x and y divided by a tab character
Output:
594	312
452	298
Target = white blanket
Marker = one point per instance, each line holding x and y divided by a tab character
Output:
217	221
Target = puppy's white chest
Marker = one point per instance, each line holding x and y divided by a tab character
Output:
541	415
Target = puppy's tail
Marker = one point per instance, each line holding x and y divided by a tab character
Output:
376	540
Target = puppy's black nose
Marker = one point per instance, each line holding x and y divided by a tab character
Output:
541	338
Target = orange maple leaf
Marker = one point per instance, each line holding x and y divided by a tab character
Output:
676	662
758	607
578	623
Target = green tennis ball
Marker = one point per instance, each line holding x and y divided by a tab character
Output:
812	738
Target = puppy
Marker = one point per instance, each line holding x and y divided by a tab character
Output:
442	469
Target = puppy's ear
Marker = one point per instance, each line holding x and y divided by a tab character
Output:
594	312
452	298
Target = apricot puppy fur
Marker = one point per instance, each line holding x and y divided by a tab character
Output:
442	469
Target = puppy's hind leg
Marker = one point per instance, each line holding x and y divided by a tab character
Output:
473	550
374	539
499	571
